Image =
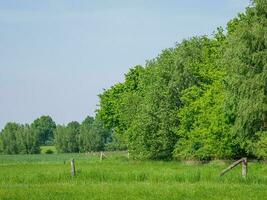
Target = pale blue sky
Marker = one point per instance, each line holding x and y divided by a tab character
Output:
57	55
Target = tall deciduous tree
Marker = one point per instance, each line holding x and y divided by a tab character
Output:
8	138
67	137
44	127
246	61
18	139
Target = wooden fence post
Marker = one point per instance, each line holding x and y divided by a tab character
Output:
102	156
244	167
72	164
243	162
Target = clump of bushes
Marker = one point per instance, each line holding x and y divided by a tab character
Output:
49	151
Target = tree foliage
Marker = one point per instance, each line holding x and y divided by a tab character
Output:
203	99
18	139
245	59
44	127
88	136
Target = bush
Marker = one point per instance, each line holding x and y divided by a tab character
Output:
49	151
260	148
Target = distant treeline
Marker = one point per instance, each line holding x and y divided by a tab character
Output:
90	135
206	98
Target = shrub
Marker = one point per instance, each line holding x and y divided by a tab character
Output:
49	151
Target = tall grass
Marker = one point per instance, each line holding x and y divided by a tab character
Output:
48	177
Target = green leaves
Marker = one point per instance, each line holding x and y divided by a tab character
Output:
19	139
88	136
203	99
44	127
245	59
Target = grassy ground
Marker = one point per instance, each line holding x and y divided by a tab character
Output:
48	177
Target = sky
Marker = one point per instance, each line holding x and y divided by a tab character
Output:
56	56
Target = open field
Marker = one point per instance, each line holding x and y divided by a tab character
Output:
48	177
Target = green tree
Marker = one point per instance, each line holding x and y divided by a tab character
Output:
44	127
67	137
61	139
118	107
245	58
88	140
8	138
203	130
27	140
19	139
93	135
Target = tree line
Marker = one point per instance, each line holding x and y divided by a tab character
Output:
90	135
205	98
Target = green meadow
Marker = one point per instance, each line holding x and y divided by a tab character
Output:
47	176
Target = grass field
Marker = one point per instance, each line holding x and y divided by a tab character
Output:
48	177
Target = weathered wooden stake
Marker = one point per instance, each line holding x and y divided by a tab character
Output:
101	156
72	164
242	161
128	155
244	167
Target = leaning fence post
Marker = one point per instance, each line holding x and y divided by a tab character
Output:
102	156
72	164
243	162
244	167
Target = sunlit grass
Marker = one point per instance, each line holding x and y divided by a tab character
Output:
116	177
